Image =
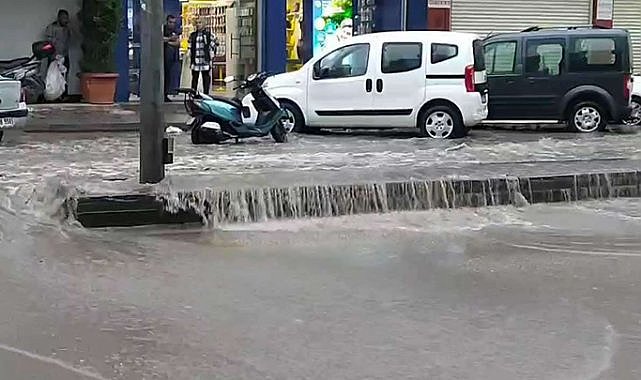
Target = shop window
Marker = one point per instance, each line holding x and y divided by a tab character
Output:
402	57
595	54
346	62
443	52
500	58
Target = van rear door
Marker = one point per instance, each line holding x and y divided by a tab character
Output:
480	72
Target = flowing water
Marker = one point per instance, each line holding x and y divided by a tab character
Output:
493	293
511	291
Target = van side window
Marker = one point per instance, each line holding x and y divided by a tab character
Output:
500	58
443	52
399	57
595	54
545	57
348	61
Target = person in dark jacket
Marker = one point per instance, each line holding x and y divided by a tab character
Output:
171	37
202	47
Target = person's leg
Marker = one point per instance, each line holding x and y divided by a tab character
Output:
167	83
194	80
206	81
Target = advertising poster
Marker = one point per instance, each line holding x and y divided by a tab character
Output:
332	23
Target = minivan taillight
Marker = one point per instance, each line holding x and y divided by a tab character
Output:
470	86
627	94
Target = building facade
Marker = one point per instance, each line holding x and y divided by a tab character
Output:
484	17
269	35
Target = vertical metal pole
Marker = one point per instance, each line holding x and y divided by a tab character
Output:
152	129
404	15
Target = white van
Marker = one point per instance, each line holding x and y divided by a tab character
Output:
433	81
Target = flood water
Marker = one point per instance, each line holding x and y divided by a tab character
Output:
540	292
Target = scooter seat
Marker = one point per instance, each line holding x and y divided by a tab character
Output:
233	102
13	63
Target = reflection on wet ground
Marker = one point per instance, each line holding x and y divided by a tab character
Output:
495	293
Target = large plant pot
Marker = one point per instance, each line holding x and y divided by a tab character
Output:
98	88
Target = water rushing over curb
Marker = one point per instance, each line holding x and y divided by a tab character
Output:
222	206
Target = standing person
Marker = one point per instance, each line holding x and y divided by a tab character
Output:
59	34
171	38
202	49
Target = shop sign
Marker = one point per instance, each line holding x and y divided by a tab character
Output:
605	10
439	4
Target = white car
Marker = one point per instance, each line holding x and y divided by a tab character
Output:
635	117
13	110
433	81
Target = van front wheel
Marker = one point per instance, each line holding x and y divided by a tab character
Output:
441	122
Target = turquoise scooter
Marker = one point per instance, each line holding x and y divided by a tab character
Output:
215	119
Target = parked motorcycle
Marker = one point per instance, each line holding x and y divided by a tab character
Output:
28	70
215	119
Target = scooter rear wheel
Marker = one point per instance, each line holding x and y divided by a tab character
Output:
279	134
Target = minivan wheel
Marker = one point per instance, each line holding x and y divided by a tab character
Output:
441	122
587	117
294	121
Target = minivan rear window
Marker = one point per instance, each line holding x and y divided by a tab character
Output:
479	55
597	54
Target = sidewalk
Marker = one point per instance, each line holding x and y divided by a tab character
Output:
69	118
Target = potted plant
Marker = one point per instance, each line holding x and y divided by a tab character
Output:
100	26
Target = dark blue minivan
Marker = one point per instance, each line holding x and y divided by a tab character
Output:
578	75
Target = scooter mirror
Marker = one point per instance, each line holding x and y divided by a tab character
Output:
229	79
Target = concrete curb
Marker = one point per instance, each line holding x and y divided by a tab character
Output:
211	206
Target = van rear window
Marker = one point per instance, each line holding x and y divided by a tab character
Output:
597	54
479	55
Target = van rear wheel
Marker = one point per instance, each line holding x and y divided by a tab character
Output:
587	117
441	122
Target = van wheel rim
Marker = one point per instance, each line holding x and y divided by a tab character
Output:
587	119
289	121
439	125
635	116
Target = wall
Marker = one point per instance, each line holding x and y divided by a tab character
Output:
24	22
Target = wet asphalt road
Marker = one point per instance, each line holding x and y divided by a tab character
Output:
544	292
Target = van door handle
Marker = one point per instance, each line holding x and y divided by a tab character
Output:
379	85
368	85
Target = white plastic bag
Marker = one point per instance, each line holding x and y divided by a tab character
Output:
56	82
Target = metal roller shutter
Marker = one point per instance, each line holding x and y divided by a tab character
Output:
487	16
627	15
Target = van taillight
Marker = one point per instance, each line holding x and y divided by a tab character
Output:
627	86
23	96
470	86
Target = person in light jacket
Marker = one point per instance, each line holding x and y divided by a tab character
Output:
202	49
